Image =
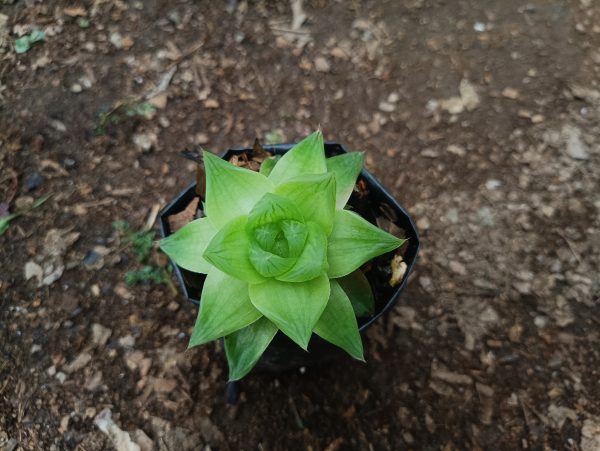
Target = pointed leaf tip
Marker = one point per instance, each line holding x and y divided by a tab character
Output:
306	157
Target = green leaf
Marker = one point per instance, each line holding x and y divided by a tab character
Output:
268	264
294	307
231	191
338	324
272	209
267	165
346	168
306	157
229	251
295	233
245	347
314	195
225	307
354	241
358	289
313	259
187	245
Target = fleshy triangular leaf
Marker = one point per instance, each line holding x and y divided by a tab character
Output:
294	307
313	259
225	307
267	263
229	251
338	324
314	195
187	245
306	157
353	241
245	347
231	191
271	209
346	168
267	165
357	288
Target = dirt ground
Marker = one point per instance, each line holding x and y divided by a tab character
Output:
483	119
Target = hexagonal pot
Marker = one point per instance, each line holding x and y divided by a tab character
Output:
378	205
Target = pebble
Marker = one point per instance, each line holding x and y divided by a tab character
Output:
479	27
540	321
76	88
510	93
576	149
456	150
321	64
423	224
452	215
33	181
457	268
100	334
486	216
387	107
201	138
91	257
145	141
493	184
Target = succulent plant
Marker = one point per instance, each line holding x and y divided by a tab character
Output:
280	252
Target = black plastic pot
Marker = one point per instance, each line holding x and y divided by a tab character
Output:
283	354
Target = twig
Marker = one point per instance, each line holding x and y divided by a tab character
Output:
186	54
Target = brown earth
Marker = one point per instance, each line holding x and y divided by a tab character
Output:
483	119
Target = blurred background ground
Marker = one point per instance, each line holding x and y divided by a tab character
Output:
483	119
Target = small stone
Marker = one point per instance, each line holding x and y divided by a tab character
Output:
394	97
33	181
540	321
211	104
201	138
423	223
537	119
78	363
430	153
128	341
387	107
321	64
456	150
493	184
515	332
452	215
468	94
145	141
100	334
486	216
576	149
457	268
32	269
479	27
590	434
510	93
62	377
76	88
116	40
426	283
35	348
91	257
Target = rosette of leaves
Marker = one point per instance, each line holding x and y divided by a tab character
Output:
280	253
